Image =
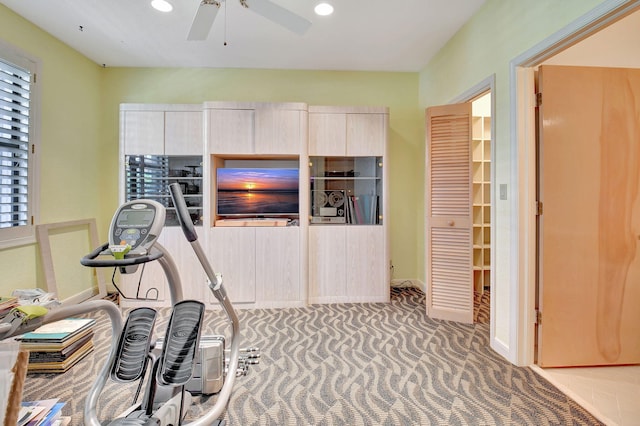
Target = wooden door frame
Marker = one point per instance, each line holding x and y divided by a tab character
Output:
523	173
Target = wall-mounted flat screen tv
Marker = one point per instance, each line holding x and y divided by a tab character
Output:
257	192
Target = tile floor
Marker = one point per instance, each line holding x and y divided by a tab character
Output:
612	394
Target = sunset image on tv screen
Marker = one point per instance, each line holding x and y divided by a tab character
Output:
257	191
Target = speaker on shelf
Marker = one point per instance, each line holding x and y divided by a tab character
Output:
328	206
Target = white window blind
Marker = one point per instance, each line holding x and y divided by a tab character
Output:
15	84
18	157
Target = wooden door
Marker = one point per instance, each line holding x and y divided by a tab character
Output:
448	213
589	179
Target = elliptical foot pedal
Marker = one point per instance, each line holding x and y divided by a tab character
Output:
133	346
181	343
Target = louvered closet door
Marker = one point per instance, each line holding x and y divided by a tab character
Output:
448	213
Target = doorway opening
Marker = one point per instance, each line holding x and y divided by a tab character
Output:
481	154
602	390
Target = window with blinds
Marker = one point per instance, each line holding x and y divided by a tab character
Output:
15	141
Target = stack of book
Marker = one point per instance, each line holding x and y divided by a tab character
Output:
58	346
47	412
7	304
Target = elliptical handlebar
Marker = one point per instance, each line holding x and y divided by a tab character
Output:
215	412
90	259
182	212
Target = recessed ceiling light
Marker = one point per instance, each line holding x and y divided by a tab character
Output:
161	5
323	9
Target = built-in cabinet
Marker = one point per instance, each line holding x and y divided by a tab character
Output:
161	129
348	241
481	201
159	145
347	264
255	129
347	131
262	266
336	150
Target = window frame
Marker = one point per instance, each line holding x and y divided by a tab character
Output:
26	234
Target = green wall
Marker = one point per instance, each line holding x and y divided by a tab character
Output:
499	32
70	143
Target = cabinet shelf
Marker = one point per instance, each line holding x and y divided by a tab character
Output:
149	176
164	178
345	178
481	171
164	196
346	190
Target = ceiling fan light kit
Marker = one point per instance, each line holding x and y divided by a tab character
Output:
323	9
161	5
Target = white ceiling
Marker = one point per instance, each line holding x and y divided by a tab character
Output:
364	35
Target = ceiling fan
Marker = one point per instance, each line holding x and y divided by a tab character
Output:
208	9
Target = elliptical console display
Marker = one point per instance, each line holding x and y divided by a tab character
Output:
137	224
133	234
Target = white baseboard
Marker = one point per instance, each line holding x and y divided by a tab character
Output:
88	294
409	282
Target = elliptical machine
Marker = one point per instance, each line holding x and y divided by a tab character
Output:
133	235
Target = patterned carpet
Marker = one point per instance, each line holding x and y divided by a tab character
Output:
354	364
481	307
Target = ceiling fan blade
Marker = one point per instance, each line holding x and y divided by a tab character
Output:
279	15
203	21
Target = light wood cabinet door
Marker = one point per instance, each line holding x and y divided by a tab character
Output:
183	133
190	270
230	131
143	132
147	282
367	271
278	264
327	264
152	279
366	134
327	134
232	252
277	131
